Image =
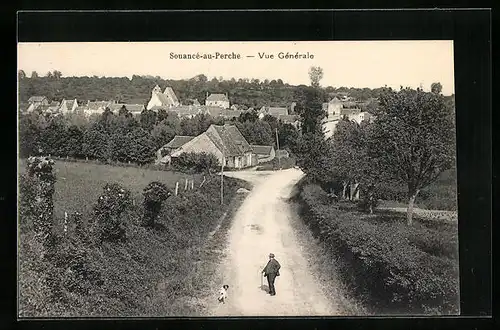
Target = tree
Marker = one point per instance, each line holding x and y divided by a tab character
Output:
57	74
148	119
315	75
154	195
49	75
34	75
310	108
110	211
436	88
413	135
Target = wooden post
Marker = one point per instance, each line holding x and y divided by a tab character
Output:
176	188
186	184
65	222
192	184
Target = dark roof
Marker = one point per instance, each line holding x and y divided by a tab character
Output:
217	97
37	98
178	141
228	139
335	100
274	111
130	107
96	105
262	150
220	112
185	110
349	111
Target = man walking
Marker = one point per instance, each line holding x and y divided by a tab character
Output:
272	270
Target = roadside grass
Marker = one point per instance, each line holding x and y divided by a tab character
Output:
154	272
392	268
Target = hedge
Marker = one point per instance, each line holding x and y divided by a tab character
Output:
402	270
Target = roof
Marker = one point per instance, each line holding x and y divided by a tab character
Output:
130	107
219	112
217	97
69	103
136	101
262	150
228	139
55	104
349	111
178	141
80	108
98	105
274	111
170	92
282	153
185	110
37	98
335	100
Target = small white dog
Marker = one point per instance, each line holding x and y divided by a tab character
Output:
223	294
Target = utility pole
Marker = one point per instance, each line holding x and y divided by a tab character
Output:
278	145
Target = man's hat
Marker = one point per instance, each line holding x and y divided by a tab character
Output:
271	255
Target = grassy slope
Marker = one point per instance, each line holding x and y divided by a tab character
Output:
79	184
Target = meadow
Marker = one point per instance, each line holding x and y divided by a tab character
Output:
79	183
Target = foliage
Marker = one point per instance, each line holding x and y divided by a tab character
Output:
402	269
110	212
192	162
315	75
154	195
417	131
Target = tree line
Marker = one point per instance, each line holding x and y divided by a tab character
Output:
246	93
122	137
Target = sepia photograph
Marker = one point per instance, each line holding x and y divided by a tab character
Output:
233	179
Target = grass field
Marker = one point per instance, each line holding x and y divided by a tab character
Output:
79	184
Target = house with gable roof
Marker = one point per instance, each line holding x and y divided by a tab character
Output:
217	100
273	111
225	142
36	101
167	99
68	106
264	153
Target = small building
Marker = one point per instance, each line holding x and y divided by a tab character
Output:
273	111
226	143
333	108
36	101
96	107
163	154
264	153
235	107
68	106
290	119
217	100
134	109
166	99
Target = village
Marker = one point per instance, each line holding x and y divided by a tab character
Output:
225	142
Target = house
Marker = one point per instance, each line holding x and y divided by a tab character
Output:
183	111
163	154
36	101
235	107
361	116
282	153
272	111
264	153
217	100
226	143
166	99
96	107
333	108
68	106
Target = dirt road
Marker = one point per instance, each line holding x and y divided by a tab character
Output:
262	225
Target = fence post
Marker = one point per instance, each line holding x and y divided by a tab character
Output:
65	222
176	188
192	184
186	184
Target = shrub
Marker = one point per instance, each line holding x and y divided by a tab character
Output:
386	259
110	211
154	194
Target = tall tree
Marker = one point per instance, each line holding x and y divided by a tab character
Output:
436	88
21	74
34	74
315	75
414	136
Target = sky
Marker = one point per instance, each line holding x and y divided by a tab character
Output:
358	64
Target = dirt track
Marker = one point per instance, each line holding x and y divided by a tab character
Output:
262	225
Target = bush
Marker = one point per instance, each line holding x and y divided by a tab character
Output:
110	212
385	259
154	194
196	163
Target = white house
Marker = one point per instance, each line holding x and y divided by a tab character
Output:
36	101
167	99
217	100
